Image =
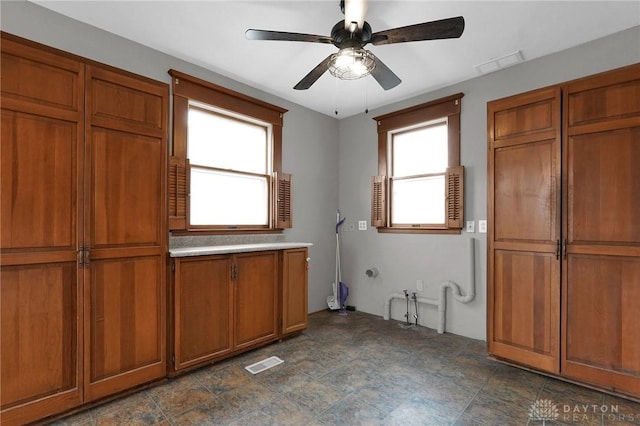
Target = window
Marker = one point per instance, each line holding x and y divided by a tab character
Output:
420	182
225	170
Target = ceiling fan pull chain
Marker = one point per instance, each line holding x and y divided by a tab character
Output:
366	97
335	96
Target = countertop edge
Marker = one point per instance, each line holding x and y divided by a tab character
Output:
235	248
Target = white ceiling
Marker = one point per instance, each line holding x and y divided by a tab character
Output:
211	34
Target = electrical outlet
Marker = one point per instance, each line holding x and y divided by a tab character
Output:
471	226
419	285
362	225
482	226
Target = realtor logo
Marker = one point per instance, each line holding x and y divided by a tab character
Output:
544	410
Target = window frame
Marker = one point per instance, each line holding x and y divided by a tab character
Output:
191	91
447	108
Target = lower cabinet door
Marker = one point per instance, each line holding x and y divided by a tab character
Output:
124	324
294	290
256	302
601	324
202	309
39	348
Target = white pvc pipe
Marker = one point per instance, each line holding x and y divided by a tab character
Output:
455	288
441	303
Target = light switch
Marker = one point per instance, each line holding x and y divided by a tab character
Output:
471	226
362	225
482	226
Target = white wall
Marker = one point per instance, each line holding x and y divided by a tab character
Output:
403	259
332	162
310	139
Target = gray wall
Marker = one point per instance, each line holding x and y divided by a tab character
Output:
403	259
332	162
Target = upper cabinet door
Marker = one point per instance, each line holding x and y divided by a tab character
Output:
524	228
601	283
125	231
40	297
41	151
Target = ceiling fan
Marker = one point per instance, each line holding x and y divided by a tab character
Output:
351	35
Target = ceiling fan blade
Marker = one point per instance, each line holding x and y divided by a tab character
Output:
354	11
313	75
434	30
383	75
252	34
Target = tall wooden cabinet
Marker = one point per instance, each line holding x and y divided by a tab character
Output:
41	149
601	279
83	234
125	231
564	239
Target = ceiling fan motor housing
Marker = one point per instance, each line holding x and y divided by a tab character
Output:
343	38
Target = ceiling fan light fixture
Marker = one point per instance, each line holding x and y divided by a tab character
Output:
351	63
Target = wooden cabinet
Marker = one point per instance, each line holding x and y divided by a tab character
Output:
255	286
524	228
125	231
41	207
601	208
294	290
203	309
83	237
564	197
223	304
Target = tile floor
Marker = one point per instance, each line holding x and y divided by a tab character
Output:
362	370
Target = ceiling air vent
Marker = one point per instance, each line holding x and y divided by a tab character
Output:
499	63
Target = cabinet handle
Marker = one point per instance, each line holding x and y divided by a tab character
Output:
80	257
557	249
564	249
87	257
234	272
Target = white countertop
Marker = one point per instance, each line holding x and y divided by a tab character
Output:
236	248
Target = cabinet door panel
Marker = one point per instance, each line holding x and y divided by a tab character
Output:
35	76
125	300
125	230
601	283
602	321
125	188
604	187
130	103
39	339
525	186
41	163
39	175
256	302
294	290
203	303
524	229
526	306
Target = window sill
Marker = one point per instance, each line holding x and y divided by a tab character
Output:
384	230
184	232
